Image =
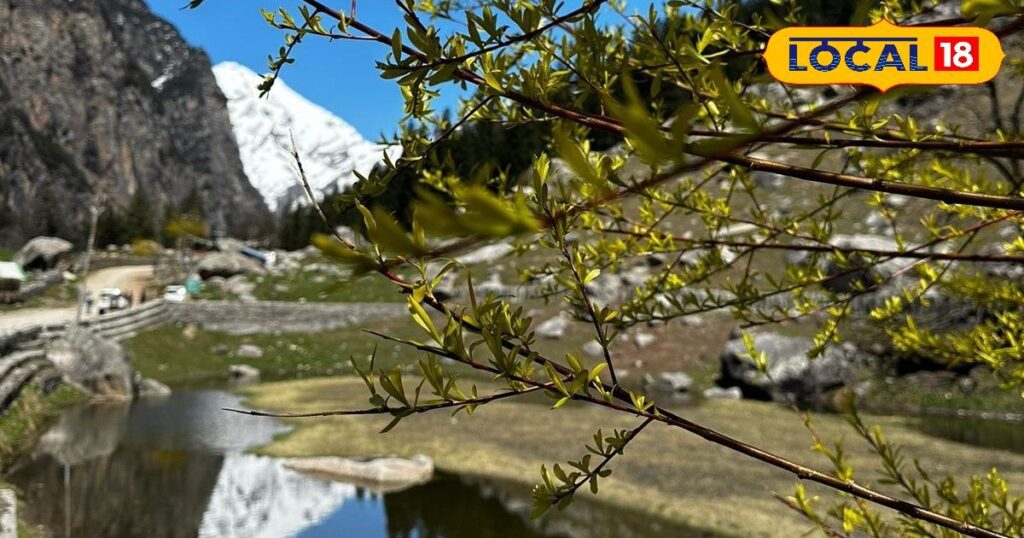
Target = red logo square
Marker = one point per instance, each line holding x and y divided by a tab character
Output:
956	53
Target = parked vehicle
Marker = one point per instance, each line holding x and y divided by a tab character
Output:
112	300
175	294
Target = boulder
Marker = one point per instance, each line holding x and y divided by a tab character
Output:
241	287
150	388
858	272
226	264
718	393
383	475
486	254
790	376
553	328
643	339
97	364
42	253
8	514
593	349
668	382
249	351
243	372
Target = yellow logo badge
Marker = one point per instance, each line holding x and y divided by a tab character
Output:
883	55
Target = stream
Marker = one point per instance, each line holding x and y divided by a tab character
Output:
177	467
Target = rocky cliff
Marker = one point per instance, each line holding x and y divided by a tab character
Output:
103	95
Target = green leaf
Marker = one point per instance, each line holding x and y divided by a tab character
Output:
575	156
738	110
396	44
333	249
983	11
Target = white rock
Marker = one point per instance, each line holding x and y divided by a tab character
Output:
249	351
668	382
243	372
553	328
593	349
643	339
381	474
718	393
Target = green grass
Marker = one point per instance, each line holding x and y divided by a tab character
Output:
176	355
23	422
666	473
318	287
26	418
931	391
6	254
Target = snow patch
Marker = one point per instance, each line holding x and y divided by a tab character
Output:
332	151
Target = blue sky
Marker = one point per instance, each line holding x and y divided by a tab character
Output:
339	76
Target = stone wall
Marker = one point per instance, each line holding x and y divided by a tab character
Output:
270	316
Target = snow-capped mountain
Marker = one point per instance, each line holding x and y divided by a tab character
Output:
330	149
257	497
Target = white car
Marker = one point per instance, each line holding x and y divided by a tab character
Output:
112	299
175	294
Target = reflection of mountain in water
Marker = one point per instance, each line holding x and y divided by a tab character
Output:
128	493
256	497
172	468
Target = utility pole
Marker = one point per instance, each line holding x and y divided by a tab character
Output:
95	208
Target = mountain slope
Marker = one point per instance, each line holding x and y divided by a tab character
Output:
103	95
330	149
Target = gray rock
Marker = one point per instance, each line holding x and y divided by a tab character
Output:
226	264
895	201
249	351
593	349
719	393
42	253
643	340
243	372
382	475
858	272
553	328
877	223
790	375
8	514
241	287
486	254
97	364
150	388
668	382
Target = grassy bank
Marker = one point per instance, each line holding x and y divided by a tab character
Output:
26	418
175	354
666	473
23	423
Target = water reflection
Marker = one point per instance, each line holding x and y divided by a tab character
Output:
175	468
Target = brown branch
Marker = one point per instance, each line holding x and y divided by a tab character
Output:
912	254
587	7
604	463
1012	149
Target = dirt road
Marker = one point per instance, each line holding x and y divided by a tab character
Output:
131	279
